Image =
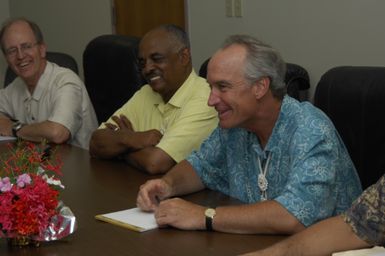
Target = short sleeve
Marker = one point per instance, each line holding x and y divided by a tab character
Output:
210	163
312	190
194	124
130	109
67	103
366	216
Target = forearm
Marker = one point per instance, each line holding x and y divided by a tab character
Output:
183	179
151	159
267	217
47	130
107	143
317	240
5	125
111	142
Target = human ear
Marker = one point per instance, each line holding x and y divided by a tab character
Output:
185	56
262	87
43	50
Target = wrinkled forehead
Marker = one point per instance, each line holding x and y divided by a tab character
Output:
230	58
226	67
17	33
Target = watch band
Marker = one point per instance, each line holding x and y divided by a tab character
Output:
17	125
209	214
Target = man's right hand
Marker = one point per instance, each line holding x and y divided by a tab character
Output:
151	192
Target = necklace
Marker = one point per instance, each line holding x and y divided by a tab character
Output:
263	184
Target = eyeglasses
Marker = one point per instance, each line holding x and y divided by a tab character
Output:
24	48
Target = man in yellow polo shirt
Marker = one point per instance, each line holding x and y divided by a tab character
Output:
167	118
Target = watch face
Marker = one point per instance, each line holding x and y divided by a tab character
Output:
210	212
17	126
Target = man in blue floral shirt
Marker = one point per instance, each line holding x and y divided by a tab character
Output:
282	158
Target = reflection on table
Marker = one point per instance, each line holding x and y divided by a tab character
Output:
96	186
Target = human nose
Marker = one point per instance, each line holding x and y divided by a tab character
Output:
213	98
20	52
147	67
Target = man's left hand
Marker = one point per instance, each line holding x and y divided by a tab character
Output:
180	214
121	121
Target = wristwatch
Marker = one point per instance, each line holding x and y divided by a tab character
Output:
209	214
16	126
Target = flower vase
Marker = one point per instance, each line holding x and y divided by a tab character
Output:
22	241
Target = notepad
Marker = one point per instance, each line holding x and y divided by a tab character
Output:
134	219
7	138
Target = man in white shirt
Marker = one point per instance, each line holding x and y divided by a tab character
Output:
45	101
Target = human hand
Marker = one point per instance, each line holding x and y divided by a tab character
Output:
180	214
5	126
122	123
138	140
151	192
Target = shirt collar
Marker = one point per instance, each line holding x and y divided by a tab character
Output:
279	124
180	96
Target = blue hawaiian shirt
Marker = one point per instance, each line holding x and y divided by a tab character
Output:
310	172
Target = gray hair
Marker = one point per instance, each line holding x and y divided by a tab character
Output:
261	61
179	36
35	29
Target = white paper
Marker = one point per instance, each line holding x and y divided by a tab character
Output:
5	138
375	251
138	219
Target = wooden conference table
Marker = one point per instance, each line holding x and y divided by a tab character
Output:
96	187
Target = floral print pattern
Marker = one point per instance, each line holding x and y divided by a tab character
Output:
310	171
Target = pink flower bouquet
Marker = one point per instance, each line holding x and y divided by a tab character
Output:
29	195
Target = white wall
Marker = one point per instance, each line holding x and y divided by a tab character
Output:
4	14
317	35
67	25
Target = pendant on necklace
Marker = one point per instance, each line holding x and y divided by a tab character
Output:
262	182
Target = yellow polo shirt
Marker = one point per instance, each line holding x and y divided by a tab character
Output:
186	120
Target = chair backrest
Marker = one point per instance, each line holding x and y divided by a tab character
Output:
61	59
111	72
296	78
354	99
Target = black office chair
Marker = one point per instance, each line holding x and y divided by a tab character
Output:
111	72
61	59
354	99
296	78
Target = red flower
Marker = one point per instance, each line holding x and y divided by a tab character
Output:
26	209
